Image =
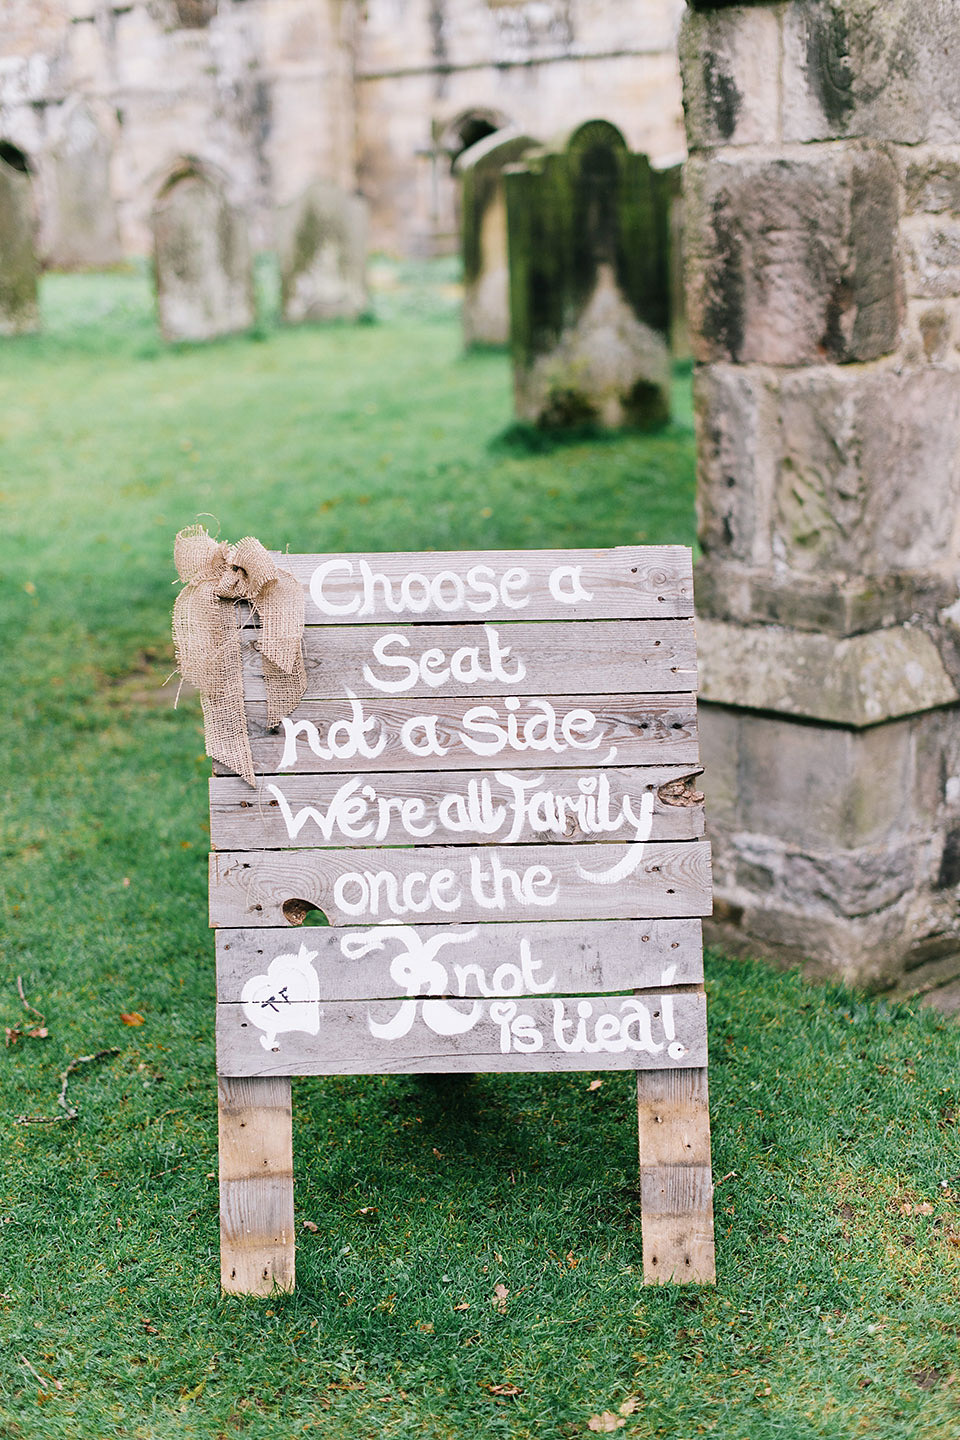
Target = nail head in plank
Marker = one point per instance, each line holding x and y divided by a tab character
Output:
629	657
343	1043
456	733
585	956
676	1188
448	808
629	582
256	1185
664	879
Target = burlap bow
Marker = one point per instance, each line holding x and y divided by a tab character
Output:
206	634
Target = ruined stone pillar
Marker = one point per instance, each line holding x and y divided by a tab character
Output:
18	259
823	234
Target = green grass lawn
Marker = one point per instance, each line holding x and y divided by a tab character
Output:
835	1119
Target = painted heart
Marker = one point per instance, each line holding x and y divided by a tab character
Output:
287	997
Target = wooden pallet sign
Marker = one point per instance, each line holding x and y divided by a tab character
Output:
487	794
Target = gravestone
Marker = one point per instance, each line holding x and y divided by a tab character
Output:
588	228
483	235
80	228
487	792
322	244
18	259
204	269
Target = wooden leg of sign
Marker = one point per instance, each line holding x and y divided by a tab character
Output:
256	1186
676	1188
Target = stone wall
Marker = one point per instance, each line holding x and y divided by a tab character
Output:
427	69
118	95
18	261
277	94
823	242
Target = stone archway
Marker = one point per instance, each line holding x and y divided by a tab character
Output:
18	259
467	128
15	158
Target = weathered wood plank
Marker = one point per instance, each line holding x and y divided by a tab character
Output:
346	1037
256	1186
630	582
475	733
676	1188
660	879
450	808
629	657
587	957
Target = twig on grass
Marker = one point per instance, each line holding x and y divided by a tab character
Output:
70	1112
26	1003
43	1380
39	1032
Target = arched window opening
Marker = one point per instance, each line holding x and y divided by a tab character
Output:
195	14
474	128
466	129
13	156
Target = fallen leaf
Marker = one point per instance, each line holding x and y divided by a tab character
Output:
925	1209
311	1225
126	881
148	1325
572	1260
594	1084
500	1293
426	1326
927	1379
13	1034
784	1239
367	1210
40	1033
606	1423
632	1402
505	1389
133	1018
464	1305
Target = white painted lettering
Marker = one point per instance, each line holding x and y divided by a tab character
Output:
465	665
325	606
565	585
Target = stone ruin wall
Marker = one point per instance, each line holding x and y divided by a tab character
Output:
426	68
823	246
260	91
105	97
